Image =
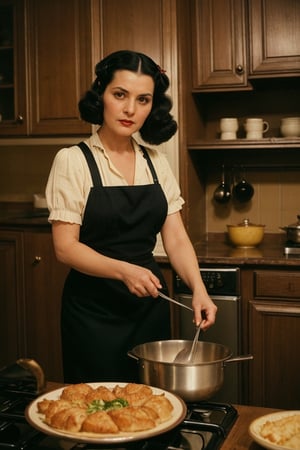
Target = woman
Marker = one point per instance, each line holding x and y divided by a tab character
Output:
108	198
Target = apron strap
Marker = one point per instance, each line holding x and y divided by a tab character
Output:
94	169
151	167
91	163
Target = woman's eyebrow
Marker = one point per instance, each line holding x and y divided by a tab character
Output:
147	94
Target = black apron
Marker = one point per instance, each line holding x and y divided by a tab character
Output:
101	320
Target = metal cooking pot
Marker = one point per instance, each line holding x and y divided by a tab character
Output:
193	382
293	231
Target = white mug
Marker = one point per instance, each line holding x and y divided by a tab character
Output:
255	128
228	127
290	126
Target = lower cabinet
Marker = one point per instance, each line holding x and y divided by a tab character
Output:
272	334
31	286
31	283
12	332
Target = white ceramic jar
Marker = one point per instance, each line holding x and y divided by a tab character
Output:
290	126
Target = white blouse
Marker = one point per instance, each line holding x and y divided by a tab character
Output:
70	181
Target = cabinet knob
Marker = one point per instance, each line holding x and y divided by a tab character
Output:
20	119
239	69
37	260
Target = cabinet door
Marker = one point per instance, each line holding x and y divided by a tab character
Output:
60	66
44	283
219	44
274	343
13	113
274	37
130	22
12	332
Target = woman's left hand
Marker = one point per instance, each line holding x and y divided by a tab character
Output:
204	310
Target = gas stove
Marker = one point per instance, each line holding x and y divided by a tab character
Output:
205	426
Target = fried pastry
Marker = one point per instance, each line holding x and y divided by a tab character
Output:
282	431
44	405
161	405
54	407
81	408
100	393
69	419
135	394
76	392
99	422
132	418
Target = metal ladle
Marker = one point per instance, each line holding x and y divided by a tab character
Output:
222	193
187	355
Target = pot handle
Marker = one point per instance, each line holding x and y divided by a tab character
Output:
238	358
131	355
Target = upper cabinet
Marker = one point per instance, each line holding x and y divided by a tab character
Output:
59	64
46	64
274	31
13	104
219	44
236	40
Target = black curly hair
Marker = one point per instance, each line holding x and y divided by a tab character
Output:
159	126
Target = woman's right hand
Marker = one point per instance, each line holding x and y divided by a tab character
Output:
140	281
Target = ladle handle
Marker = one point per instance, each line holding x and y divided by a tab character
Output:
238	358
173	301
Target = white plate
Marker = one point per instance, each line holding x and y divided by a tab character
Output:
255	427
36	419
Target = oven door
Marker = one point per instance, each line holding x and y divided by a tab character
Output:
225	331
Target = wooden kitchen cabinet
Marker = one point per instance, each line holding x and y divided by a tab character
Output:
274	38
12	331
13	97
44	279
272	332
219	44
235	40
60	67
52	67
31	294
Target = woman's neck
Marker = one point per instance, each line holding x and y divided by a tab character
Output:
117	144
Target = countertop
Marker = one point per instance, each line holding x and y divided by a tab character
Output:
213	250
238	437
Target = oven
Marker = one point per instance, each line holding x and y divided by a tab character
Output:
223	286
204	427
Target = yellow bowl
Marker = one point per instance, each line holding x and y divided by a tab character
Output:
246	234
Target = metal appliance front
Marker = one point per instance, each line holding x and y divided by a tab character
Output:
226	329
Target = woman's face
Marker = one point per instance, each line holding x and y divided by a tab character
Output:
127	102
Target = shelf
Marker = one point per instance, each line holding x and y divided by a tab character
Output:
267	143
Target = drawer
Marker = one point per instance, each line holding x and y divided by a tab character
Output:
277	283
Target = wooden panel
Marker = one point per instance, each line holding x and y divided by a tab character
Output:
44	283
60	66
11	297
274	344
277	284
132	26
274	37
219	44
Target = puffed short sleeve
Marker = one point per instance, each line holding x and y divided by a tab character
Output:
68	186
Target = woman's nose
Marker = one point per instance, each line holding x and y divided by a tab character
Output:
129	107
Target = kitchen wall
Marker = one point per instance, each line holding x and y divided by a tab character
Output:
275	202
24	170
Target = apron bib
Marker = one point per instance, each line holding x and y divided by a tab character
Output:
101	320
